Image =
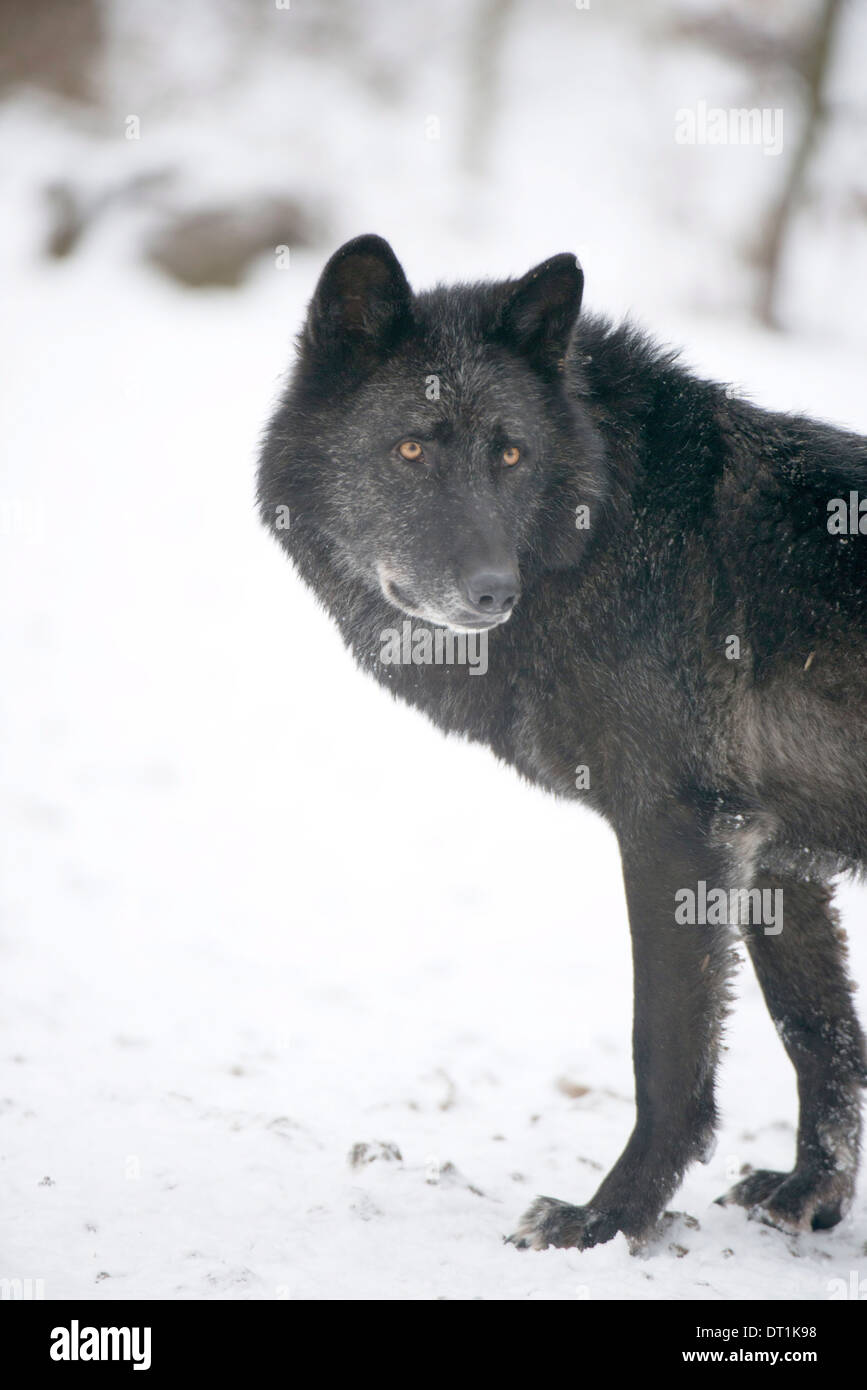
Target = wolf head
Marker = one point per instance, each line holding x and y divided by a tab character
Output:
426	445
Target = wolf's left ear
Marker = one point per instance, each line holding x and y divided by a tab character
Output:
539	313
362	302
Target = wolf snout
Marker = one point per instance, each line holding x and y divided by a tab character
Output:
491	592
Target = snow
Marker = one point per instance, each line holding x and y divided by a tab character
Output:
243	925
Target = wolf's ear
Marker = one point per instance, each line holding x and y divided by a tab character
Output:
362	302
539	313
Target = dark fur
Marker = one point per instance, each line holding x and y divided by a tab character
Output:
708	519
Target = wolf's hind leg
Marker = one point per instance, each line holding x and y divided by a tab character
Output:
802	973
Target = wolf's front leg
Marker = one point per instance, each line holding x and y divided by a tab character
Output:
681	971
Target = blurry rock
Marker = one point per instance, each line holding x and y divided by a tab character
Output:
67	220
362	1154
72	211
217	246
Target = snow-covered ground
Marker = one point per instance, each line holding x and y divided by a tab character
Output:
241	929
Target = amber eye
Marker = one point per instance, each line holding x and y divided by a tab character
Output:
511	456
410	450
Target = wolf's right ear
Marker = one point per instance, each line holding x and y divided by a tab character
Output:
540	311
362	304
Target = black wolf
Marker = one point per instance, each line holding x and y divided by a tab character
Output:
672	586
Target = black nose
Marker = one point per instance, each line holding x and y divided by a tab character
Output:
492	591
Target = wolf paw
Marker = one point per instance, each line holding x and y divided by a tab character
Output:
796	1201
551	1222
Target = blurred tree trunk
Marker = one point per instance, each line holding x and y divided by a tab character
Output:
485	54
55	44
814	65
